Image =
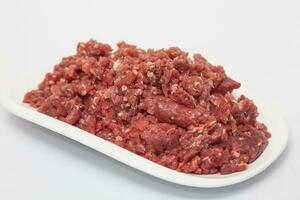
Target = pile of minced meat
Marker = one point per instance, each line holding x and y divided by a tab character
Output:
160	104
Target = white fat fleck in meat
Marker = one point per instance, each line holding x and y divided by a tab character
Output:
248	133
120	114
134	72
154	92
160	106
85	65
84	92
118	138
196	83
174	87
96	45
95	101
127	105
198	129
150	64
116	64
109	134
235	154
259	143
139	92
62	80
207	159
127	130
124	88
77	107
212	122
242	164
240	105
150	74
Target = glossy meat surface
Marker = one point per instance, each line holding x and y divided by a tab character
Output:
160	104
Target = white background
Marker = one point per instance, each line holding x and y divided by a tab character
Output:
258	43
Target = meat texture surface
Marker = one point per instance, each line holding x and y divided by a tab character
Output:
161	104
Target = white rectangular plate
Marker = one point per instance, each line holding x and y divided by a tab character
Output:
12	96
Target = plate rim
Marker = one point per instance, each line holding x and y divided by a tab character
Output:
103	146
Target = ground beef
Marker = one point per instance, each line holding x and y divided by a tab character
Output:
160	104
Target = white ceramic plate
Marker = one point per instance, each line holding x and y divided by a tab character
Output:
12	96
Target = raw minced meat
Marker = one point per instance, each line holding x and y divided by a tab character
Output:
160	104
